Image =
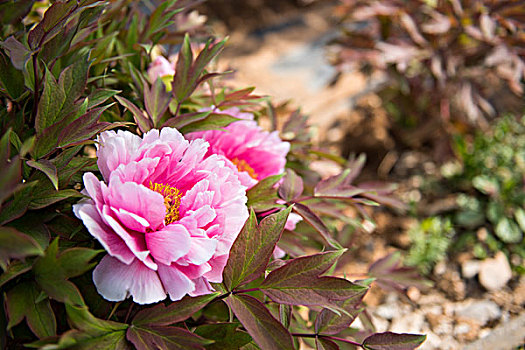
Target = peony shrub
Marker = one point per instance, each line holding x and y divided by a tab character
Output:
140	207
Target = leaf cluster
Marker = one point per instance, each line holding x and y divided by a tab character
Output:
444	60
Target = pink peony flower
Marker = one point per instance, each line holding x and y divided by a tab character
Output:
166	214
255	153
159	68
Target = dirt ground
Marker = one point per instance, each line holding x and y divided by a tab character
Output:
281	51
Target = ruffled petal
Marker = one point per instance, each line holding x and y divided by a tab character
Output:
169	244
176	283
115	281
113	244
115	148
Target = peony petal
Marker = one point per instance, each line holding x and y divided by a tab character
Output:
202	287
115	281
139	200
115	148
201	250
169	244
113	244
134	240
176	283
217	267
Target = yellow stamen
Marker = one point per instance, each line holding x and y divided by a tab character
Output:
171	200
243	166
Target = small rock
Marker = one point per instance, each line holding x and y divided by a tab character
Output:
380	324
388	311
495	273
470	268
410	323
413	293
440	268
441	324
466	329
482	311
519	293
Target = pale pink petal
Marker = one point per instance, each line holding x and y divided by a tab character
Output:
201	250
202	287
159	68
278	253
217	267
115	148
113	244
115	281
292	221
176	283
169	244
139	200
134	240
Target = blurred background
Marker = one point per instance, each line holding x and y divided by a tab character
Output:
432	93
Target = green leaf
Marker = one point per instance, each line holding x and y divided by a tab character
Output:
393	341
161	337
100	96
90	332
81	319
188	73
508	231
315	221
292	186
226	336
14	269
44	198
263	195
75	261
47	168
141	119
328	322
156	101
253	248
73	79
265	330
52	276
50	104
12	12
11	79
213	121
161	315
17	245
325	344
55	14
18	53
22	302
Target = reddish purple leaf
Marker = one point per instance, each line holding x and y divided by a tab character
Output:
159	337
315	221
253	248
156	100
161	315
325	344
142	120
391	275
393	341
298	282
265	330
292	186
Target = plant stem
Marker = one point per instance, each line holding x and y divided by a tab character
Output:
129	312
245	290
343	340
113	310
36	88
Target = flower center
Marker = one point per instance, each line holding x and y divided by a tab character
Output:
171	200
243	166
